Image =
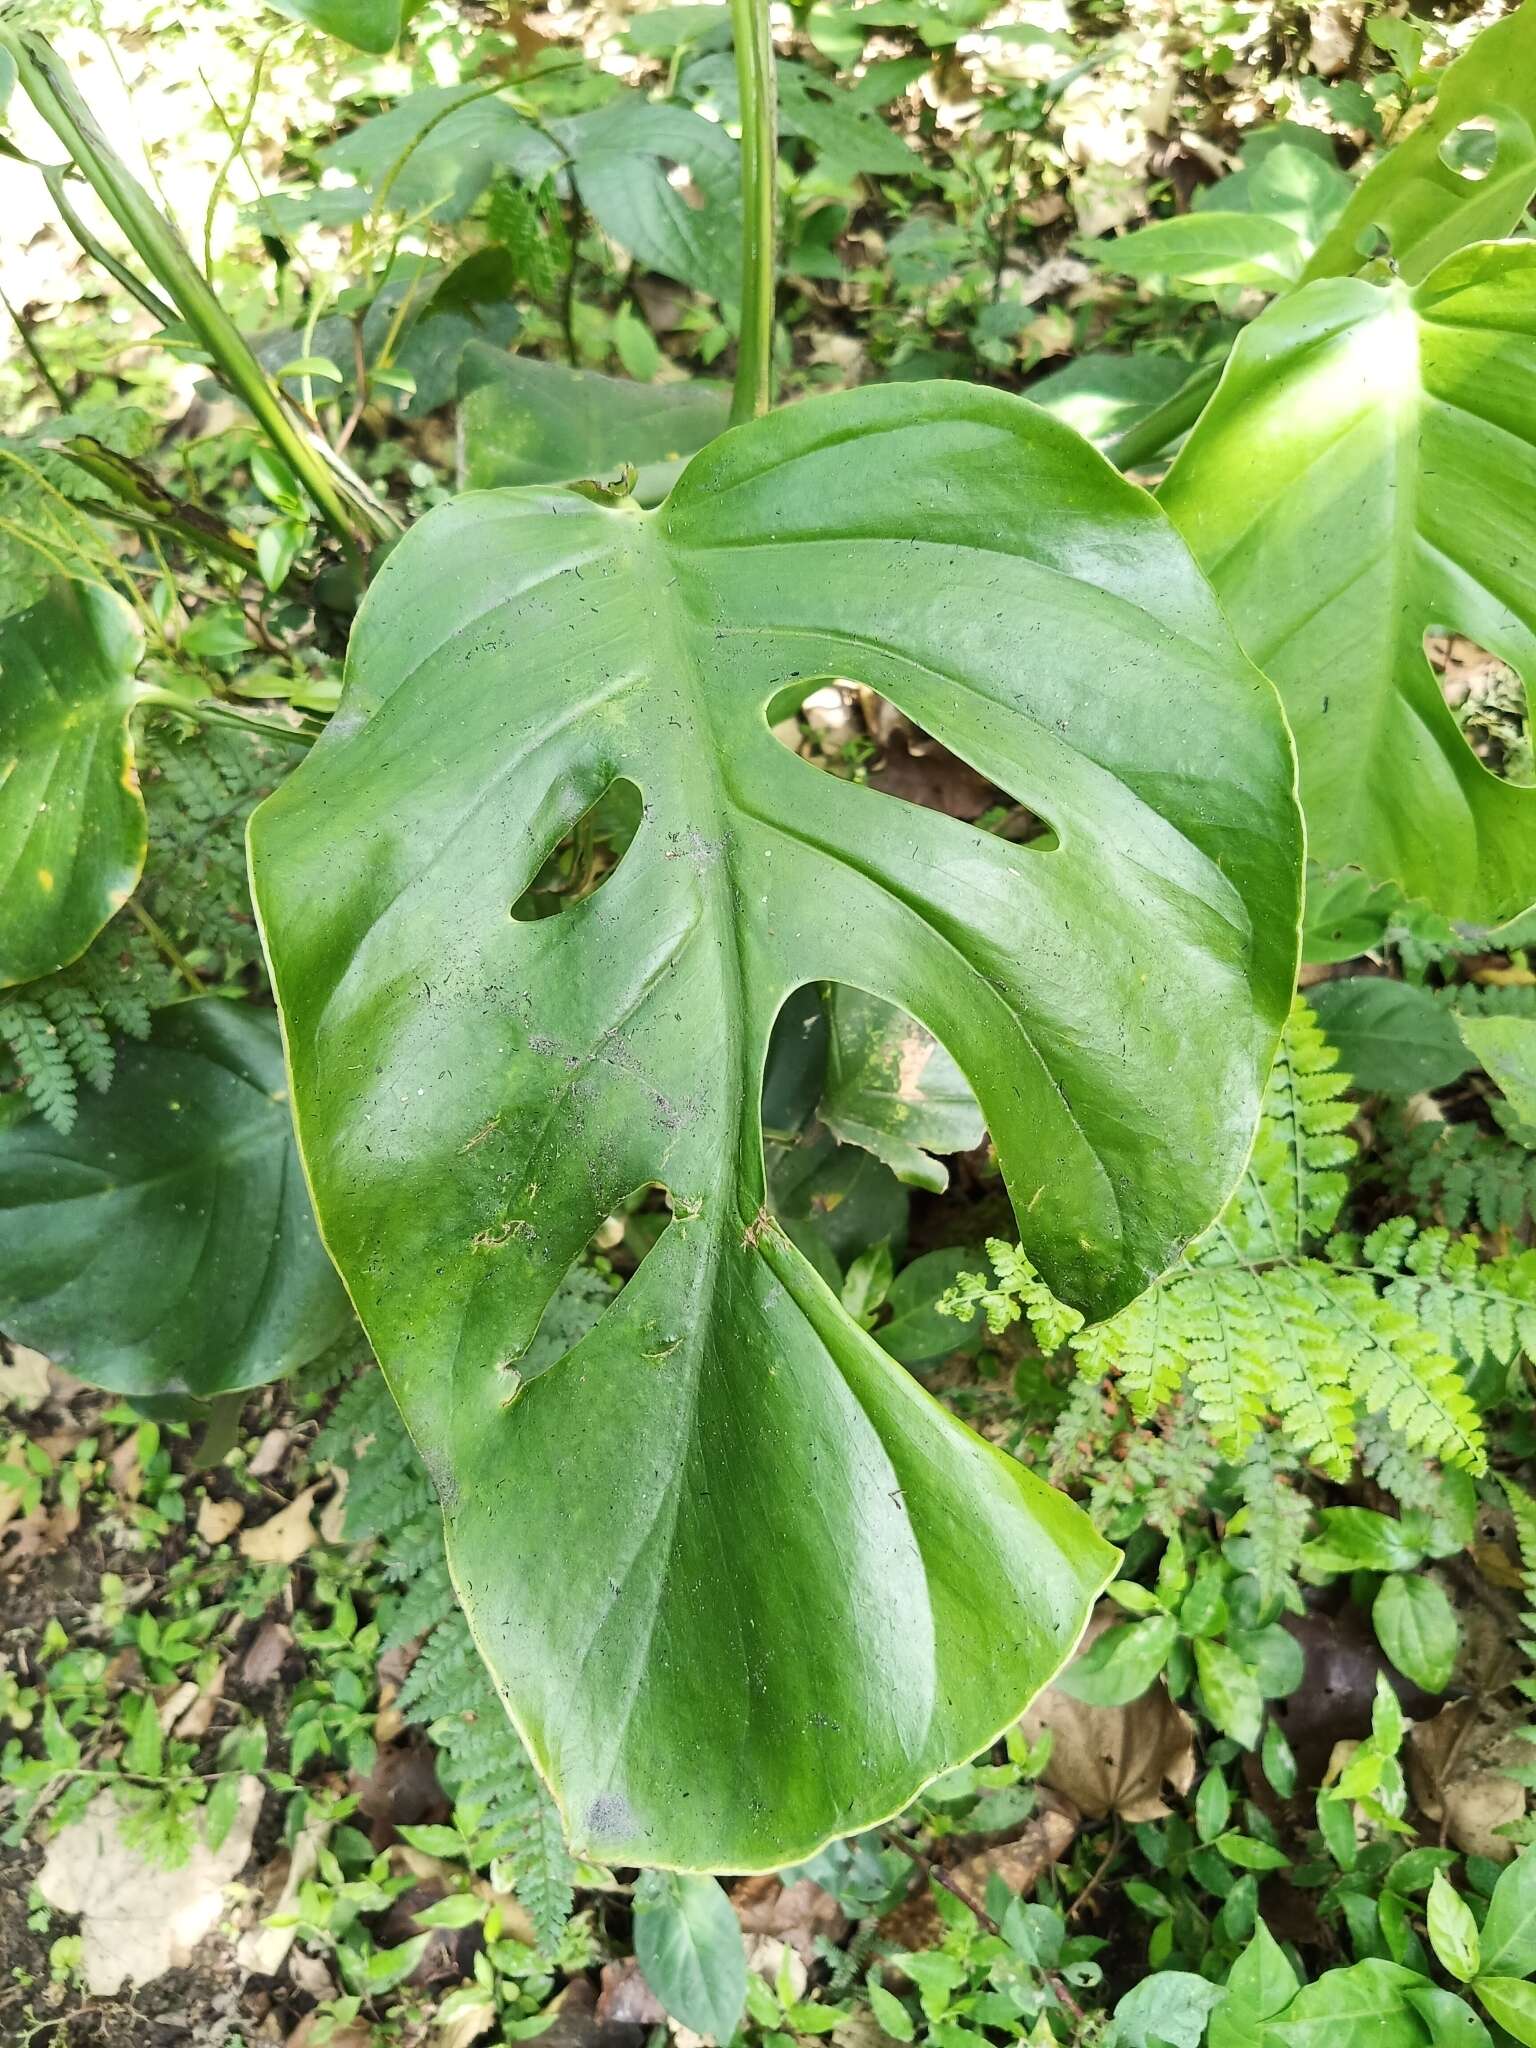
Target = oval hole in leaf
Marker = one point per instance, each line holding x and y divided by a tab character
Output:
586	854
852	731
891	1087
1488	699
1471	149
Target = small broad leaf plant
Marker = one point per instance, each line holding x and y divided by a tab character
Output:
741	1584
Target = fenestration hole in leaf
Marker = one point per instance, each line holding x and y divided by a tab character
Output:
585	856
856	734
1471	149
1488	700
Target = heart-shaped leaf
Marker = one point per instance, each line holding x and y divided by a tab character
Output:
1366	472
72	824
166	1245
627	159
743	1584
1424	207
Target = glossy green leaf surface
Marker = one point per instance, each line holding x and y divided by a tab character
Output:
1509	1932
1364	2006
1392	1037
892	1088
1366	472
526	421
689	1948
1511	2002
166	1245
1100	394
1416	1626
727	1548
1506	1049
370	25
1423	207
1210	248
72	824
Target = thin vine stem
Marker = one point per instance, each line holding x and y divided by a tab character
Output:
755	78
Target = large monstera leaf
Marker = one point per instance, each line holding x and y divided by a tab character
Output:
742	1583
72	823
166	1244
1367	472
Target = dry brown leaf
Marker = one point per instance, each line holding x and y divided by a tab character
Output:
264	1659
333	1516
176	1704
310	1974
1115	1759
1334	35
1454	1779
269	1453
626	1999
217	1520
38	1534
285	1536
796	1913
127	1478
137	1918
472	2024
915	1923
23	1378
310	2033
198	1718
262	1949
766	1956
1498	1567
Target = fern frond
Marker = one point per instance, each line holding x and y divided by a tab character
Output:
1466	1173
1086	1420
427	1601
1523	1509
1394	1362
83	1035
488	1774
1266	1535
1477	1307
1397	1468
1158	1477
1293	1188
1226	1369
42	1060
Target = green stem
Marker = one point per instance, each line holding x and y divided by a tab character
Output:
39	361
753	394
167	947
209	711
151	234
222	1430
1166	422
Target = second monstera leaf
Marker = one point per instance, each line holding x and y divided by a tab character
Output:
166	1245
742	1583
1365	473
